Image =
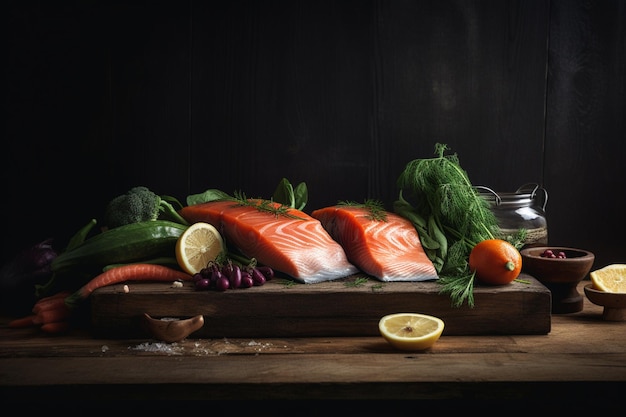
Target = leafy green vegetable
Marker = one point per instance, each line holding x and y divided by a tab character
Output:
289	196
436	195
84	258
140	204
208	195
285	196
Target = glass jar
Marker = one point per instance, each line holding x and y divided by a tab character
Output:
522	209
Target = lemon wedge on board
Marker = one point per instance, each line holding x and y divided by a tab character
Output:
411	331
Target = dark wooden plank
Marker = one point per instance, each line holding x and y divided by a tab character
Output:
470	75
149	55
585	131
281	89
99	102
328	368
601	337
55	152
425	79
323	309
583	355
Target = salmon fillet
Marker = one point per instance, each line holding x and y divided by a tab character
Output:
389	250
295	244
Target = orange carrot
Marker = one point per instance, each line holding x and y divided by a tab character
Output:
49	305
52	315
130	272
26	321
53	300
56	327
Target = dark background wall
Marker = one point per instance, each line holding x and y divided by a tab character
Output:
182	96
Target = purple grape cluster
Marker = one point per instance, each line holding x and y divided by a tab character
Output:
549	253
229	275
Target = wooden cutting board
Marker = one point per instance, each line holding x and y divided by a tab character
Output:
346	307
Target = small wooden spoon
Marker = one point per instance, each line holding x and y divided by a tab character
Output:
172	330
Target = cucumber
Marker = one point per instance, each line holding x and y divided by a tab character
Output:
129	243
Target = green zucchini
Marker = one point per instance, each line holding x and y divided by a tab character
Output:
129	243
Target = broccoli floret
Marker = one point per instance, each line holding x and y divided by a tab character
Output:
140	204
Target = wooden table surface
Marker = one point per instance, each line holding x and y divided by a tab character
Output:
581	360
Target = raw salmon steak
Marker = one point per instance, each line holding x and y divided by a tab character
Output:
389	249
292	242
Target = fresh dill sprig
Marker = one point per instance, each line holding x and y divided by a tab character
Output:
517	239
375	207
451	217
267	206
287	283
459	287
358	282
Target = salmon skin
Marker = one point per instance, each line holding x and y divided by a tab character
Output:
293	242
389	250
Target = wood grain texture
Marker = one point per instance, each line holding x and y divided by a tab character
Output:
342	96
336	308
284	91
187	96
99	102
465	75
585	127
582	356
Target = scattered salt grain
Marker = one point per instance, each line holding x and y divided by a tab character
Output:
170	348
104	348
126	289
177	284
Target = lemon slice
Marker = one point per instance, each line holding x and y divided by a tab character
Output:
197	246
411	331
611	278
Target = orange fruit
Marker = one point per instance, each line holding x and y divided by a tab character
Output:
495	262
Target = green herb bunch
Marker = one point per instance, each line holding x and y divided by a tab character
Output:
436	195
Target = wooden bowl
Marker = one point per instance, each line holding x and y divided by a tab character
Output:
172	330
614	303
561	276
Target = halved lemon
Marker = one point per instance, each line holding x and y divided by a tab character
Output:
611	278
200	244
411	331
